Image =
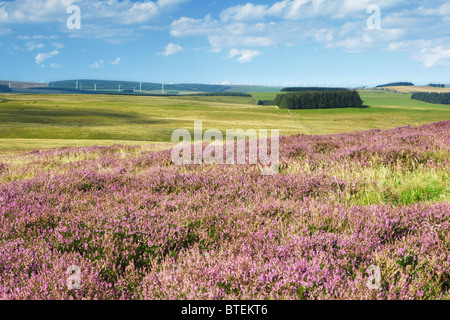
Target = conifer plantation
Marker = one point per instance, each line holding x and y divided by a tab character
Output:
319	100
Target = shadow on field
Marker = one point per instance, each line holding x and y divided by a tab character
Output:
65	115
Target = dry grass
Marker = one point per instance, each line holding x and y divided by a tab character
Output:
409	89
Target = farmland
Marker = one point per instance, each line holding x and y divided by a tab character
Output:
412	89
42	121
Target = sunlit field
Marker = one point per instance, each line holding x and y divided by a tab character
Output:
43	121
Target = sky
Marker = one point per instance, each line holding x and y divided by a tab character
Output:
278	43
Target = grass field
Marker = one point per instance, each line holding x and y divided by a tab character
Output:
43	121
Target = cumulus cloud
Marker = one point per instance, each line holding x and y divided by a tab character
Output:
244	55
116	62
430	57
121	11
172	49
429	53
97	64
302	9
41	57
339	24
23	11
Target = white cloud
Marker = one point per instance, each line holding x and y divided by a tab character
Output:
431	57
22	11
97	64
58	45
247	12
41	57
54	65
303	9
330	23
244	55
37	37
30	46
430	53
172	49
140	12
121	11
190	27
116	62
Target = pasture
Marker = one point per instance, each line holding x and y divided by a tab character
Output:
43	121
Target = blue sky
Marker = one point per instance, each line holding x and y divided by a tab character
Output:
285	42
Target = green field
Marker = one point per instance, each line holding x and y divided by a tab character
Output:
43	121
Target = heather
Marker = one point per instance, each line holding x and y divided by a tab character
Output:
140	227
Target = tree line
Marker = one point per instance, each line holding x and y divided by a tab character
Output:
221	94
319	100
265	103
4	88
433	97
397	84
299	89
437	85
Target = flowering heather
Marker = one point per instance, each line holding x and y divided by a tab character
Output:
140	227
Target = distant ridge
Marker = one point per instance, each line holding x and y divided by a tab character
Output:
22	84
151	87
105	86
109	85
